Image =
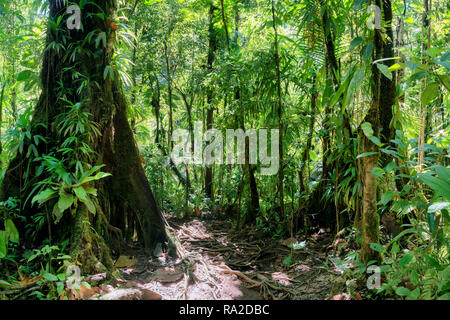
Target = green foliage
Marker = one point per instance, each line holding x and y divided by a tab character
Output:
61	183
69	189
161	60
439	184
10	234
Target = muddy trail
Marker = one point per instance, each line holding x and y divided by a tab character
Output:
218	264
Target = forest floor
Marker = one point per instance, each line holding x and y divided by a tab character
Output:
218	264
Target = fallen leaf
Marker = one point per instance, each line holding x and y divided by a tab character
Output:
86	293
150	295
343	296
27	281
125	261
356	296
106	288
165	275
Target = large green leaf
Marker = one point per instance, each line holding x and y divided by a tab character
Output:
402	291
44	196
445	296
355	42
355	84
396	66
101	175
443	173
413	295
377	247
90	205
98	176
50	277
3	244
438	206
367	129
386	197
57	213
377	172
65	201
24	75
440	186
430	93
11	230
81	193
92	191
407	258
384	70
375	140
367	52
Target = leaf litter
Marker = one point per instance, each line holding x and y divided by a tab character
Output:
217	264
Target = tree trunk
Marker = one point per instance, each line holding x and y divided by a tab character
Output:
210	109
387	86
127	191
2	94
424	113
325	207
133	79
279	109
305	157
169	94
312	119
224	20
399	43
248	170
369	215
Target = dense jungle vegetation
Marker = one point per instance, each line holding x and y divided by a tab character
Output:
354	98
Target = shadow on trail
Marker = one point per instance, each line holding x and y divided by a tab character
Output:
218	264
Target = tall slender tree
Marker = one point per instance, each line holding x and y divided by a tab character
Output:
369	215
212	47
279	110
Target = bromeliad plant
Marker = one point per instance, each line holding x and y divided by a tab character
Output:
69	174
69	190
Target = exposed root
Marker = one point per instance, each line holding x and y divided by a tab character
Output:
107	224
205	267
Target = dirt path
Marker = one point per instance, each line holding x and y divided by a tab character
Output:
217	264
